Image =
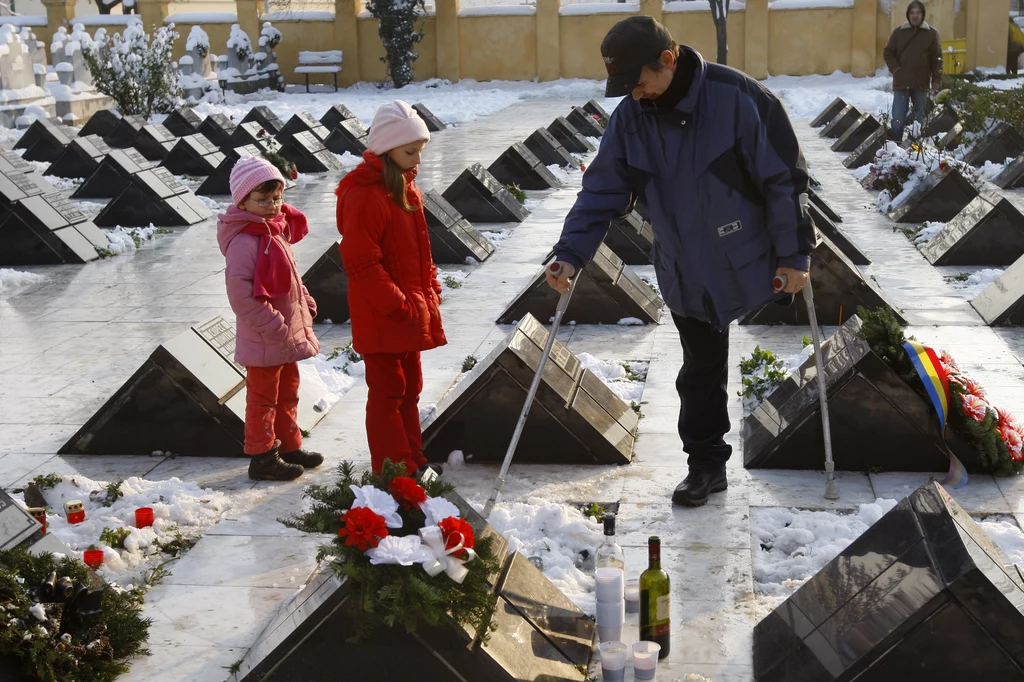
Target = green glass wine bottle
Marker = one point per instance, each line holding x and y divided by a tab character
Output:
655	601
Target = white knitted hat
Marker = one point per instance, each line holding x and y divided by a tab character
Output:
395	124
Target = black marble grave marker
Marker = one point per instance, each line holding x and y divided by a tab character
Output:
251	132
569	137
327	283
878	422
951	140
335	115
434	124
308	153
607	291
631	238
843	121
154	142
480	198
594	108
347	136
124	133
823	206
46	229
266	118
302	122
856	134
828	228
219	182
999	144
839	288
940	121
585	123
550	152
11	163
44	141
937	198
101	123
989	231
154	197
518	166
193	155
112	175
829	113
923	594
80	158
452	238
217	128
867	150
1001	303
576	418
183	121
1012	176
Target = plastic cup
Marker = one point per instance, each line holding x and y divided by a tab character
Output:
632	595
610	584
613	661
609	634
143	517
611	613
645	660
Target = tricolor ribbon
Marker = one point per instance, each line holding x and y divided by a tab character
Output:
445	559
936	383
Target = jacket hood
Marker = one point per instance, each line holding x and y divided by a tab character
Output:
231	222
370	172
919	5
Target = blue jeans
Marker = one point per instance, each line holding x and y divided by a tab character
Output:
901	104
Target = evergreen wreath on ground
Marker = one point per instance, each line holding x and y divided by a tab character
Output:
992	431
53	628
414	559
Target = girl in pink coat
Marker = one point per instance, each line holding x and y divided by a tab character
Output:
273	313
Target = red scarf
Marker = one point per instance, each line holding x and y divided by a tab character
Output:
273	275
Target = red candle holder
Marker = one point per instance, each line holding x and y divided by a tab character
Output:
143	517
75	511
39	514
93	558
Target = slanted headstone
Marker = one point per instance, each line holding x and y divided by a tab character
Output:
188	397
937	198
607	291
839	288
923	594
843	121
308	153
15	188
327	283
827	227
631	238
867	150
347	136
302	122
219	182
251	133
1001	303
480	198
823	206
518	166
44	141
989	231
193	155
586	124
434	124
1012	176
576	419
154	197
829	113
940	121
266	118
546	148
335	115
154	142
80	158
101	123
952	139
569	137
11	163
47	229
183	121
452	238
125	132
112	176
999	144
594	108
217	128
861	130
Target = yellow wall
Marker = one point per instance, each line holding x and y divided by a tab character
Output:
498	47
575	30
802	42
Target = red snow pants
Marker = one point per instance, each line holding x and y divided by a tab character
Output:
271	406
394	382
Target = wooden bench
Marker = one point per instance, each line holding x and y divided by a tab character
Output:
326	61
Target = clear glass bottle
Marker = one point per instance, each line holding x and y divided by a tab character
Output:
609	554
655	604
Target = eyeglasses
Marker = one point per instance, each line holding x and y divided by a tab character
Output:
267	203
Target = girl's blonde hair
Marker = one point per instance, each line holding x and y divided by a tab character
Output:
395	183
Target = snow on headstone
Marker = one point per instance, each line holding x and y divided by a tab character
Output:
16	70
266	58
197	75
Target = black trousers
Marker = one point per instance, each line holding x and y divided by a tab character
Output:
703	390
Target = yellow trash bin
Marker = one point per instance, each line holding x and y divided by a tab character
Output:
954	54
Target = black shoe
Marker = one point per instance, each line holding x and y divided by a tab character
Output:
304	458
436	468
270	467
698	484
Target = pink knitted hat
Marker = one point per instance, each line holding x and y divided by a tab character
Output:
248	173
395	124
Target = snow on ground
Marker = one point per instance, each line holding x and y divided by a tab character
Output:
123	239
496	236
14	281
329	379
649	276
1007	535
789	365
624	377
450	281
806	96
975	282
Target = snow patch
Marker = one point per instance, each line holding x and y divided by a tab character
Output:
124	239
13	281
625	378
976	282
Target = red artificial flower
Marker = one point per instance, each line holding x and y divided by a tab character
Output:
1005	418
407	492
363	529
456	530
974	407
583	167
973	387
1011	435
948	363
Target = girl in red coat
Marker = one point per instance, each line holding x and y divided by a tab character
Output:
393	290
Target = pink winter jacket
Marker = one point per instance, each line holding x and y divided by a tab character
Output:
269	332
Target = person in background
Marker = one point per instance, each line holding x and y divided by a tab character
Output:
914	57
1014	47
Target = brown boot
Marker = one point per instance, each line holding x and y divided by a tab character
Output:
269	466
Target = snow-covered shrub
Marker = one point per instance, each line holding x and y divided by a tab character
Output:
397	26
979	107
138	74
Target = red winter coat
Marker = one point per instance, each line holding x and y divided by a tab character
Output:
393	292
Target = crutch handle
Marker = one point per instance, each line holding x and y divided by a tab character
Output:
780	282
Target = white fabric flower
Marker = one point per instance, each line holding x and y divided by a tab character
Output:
438	508
379	502
404	551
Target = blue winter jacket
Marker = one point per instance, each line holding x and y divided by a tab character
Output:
724	182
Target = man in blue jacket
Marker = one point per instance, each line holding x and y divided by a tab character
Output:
713	156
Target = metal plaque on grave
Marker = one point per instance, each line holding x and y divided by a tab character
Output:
940	121
828	228
951	140
266	118
823	206
999	144
183	121
16	524
335	115
989	231
594	108
11	163
569	137
154	142
101	123
839	288
308	153
937	198
193	155
631	238
550	152
80	158
217	128
302	122
923	594
154	197
44	141
861	130
347	136
576	418
452	238
607	291
585	123
48	230
124	133
518	166
434	124
219	182
327	283
188	398
878	422
112	176
14	188
251	132
829	113
867	150
843	121
480	198
1012	176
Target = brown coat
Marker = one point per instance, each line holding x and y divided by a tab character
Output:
914	57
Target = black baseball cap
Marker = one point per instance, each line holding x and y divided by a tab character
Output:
629	45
